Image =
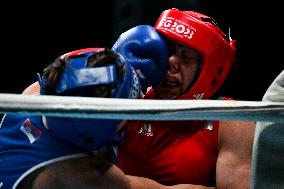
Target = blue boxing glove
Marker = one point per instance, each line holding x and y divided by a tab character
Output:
146	51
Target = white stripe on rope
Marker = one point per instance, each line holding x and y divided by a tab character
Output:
103	108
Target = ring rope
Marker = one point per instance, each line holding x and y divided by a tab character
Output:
130	109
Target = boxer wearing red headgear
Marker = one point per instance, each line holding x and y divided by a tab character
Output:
199	32
187	152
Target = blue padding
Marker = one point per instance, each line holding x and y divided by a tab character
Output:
89	134
77	75
73	78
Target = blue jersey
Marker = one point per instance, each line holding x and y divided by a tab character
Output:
26	145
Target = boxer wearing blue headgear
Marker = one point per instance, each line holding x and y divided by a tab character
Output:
35	150
112	77
30	143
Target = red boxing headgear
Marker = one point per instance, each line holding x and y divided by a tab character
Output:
200	33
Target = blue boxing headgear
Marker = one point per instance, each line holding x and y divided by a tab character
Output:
77	76
90	134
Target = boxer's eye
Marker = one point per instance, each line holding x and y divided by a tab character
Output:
188	60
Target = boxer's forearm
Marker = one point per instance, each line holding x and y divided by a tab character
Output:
145	183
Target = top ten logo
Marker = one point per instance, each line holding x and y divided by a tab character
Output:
178	27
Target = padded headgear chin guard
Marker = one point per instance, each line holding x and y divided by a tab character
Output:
200	33
90	134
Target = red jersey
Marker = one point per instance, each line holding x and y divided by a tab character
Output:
171	152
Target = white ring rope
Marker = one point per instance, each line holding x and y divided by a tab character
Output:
103	108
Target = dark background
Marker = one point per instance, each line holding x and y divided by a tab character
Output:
33	33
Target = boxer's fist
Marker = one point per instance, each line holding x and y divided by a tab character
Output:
146	51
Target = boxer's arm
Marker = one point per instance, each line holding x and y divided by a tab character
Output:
88	172
235	154
144	183
33	89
